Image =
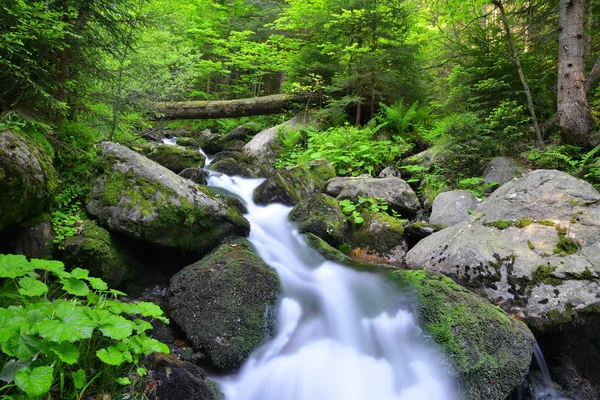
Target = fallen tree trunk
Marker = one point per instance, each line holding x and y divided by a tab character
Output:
274	104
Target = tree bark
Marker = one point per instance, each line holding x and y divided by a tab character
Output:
274	104
593	77
517	62
574	116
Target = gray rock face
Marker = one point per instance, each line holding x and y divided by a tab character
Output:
533	247
27	179
449	208
389	171
320	215
196	175
222	303
502	170
395	191
137	197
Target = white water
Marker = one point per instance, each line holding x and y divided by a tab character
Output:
341	334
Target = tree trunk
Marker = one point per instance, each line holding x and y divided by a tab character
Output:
517	62
574	116
274	104
593	77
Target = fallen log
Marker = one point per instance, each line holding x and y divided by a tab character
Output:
207	109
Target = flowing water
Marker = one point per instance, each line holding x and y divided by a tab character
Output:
341	334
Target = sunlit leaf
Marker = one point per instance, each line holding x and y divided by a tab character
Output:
35	383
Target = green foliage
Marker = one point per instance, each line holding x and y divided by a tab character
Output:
63	330
350	150
67	215
366	204
476	186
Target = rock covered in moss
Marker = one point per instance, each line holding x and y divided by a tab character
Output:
223	302
489	351
196	175
396	192
321	215
94	249
28	180
533	247
232	167
449	208
379	237
175	158
291	184
141	199
187	142
422	229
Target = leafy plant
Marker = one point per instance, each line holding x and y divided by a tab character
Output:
67	218
353	210
62	331
476	186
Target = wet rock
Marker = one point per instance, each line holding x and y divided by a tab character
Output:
489	351
175	158
196	175
28	180
187	142
236	155
143	200
321	215
379	238
422	229
223	303
449	208
232	167
35	239
533	247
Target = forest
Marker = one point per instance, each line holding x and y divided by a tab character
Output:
431	90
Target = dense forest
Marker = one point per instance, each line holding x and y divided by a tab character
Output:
432	89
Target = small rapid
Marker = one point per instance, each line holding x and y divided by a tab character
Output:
341	334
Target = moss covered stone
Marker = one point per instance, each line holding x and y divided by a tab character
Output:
223	303
28	180
141	199
321	215
489	350
176	158
378	231
232	167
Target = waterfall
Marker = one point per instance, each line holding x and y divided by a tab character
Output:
341	334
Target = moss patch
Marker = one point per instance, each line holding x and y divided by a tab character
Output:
566	246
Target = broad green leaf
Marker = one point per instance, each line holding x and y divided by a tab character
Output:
32	287
11	367
75	287
66	352
124	381
116	327
79	378
141	325
35	383
111	356
97	284
80	273
13	266
22	346
56	267
142	371
71	324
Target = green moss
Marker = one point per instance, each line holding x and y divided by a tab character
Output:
523	222
542	272
557	317
546	222
530	245
500	224
113	189
566	245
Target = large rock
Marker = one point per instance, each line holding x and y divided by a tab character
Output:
502	170
533	247
379	238
264	148
489	351
27	179
232	167
139	198
175	158
94	249
223	301
396	192
449	208
291	184
321	215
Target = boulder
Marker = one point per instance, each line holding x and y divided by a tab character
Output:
502	170
232	167
94	249
321	215
449	208
175	158
222	303
28	180
388	172
143	200
422	229
34	240
196	175
209	141
264	148
291	184
533	247
396	192
187	142
236	155
379	238
490	352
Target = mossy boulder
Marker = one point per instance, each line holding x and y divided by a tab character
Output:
291	184
196	175
175	158
232	167
490	352
187	142
28	180
143	200
533	247
34	239
321	215
380	237
223	302
94	249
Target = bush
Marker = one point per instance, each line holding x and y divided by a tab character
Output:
63	331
